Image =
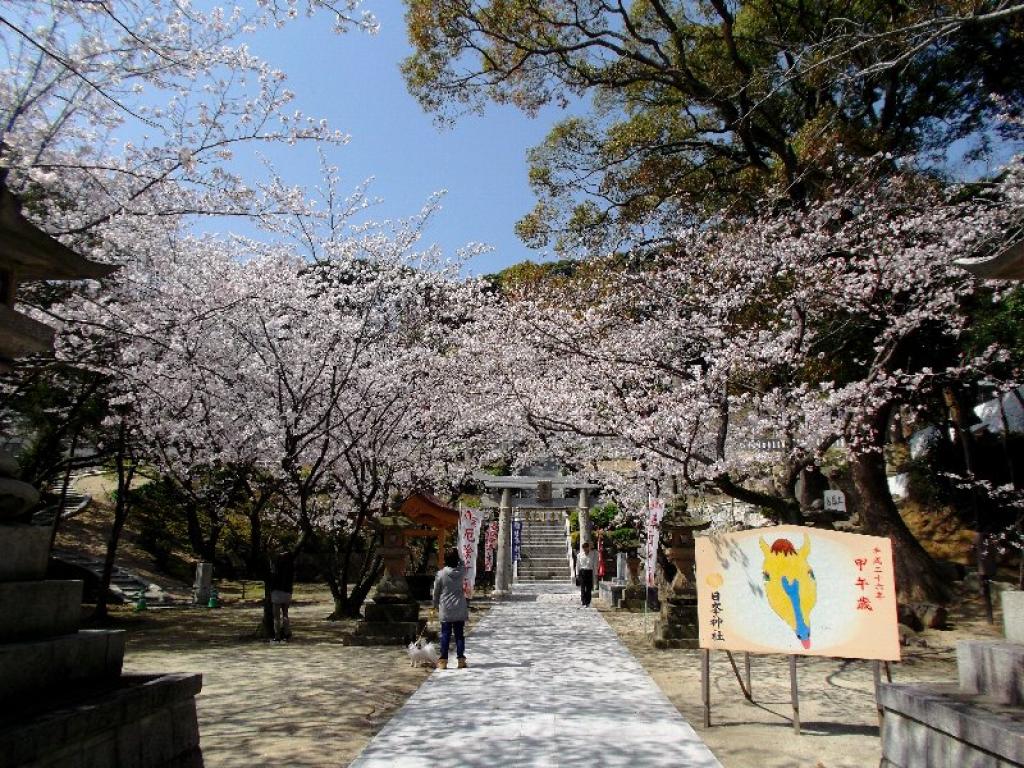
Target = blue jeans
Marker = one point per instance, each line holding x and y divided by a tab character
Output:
460	638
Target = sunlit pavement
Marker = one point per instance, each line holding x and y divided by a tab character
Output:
549	684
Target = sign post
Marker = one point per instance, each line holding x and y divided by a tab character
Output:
797	591
469	536
835	501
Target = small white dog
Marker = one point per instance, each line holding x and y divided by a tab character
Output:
422	654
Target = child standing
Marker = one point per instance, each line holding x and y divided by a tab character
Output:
452	607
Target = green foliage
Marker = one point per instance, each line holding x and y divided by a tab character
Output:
622	539
157	510
696	107
997	322
925	484
527	275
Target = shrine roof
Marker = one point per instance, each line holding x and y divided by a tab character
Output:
426	509
35	255
1008	265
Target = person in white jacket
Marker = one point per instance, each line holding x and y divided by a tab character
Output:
586	567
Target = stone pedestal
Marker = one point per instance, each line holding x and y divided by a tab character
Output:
677	625
63	701
611	593
1013	615
634	596
391	615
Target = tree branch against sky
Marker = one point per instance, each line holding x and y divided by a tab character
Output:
115	109
697	106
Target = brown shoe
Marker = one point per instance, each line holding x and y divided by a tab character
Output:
462	664
442	663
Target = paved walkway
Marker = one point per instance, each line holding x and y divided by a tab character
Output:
549	684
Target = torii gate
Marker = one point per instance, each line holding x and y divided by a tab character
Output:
438	518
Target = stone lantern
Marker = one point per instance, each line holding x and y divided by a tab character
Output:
680	548
392	586
391	615
677	626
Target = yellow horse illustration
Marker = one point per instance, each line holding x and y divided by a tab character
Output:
790	586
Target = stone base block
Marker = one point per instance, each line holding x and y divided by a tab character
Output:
1013	615
137	721
941	727
662	643
677	625
391	612
39	609
632	605
385	633
24	552
29	670
992	668
611	593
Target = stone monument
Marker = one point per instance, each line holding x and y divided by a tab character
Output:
677	626
391	615
203	584
634	594
63	700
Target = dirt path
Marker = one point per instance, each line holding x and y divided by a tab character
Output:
310	703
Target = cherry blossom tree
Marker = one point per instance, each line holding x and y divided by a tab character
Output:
807	327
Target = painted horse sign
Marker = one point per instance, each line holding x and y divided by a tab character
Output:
796	590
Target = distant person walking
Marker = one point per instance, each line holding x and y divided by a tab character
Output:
586	564
282	579
452	607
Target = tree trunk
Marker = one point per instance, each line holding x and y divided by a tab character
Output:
780	510
917	578
125	474
64	486
362	588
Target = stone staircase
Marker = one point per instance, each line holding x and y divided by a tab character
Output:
543	550
74	503
125	586
977	722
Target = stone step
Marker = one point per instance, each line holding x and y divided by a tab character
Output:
545	552
136	720
992	668
547	541
34	610
939	726
544	540
125	586
29	668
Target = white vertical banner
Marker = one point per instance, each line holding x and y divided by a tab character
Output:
469	536
655	511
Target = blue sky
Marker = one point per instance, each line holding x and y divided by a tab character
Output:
353	81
